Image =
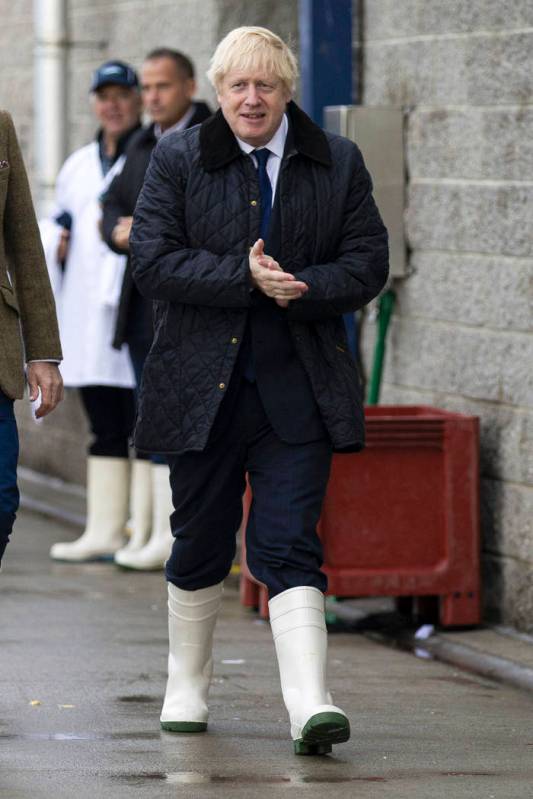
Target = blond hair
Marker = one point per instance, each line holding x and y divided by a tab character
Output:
251	48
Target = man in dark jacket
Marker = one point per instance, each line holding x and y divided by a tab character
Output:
168	86
254	234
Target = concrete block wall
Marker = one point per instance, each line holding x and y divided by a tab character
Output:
128	29
462	335
16	69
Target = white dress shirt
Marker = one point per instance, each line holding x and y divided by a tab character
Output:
276	145
180	125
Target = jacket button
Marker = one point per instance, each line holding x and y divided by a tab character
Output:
234	340
254	203
222	386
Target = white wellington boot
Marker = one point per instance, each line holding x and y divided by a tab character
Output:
107	512
141	507
152	556
298	625
191	621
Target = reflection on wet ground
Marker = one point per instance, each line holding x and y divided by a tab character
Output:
195	778
457	680
138	698
27	593
80	736
156	642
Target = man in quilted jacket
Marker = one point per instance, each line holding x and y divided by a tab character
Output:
254	233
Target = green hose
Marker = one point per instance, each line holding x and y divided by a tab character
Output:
385	308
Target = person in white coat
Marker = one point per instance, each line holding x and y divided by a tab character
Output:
86	278
167	79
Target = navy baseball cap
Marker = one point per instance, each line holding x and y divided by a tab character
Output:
114	73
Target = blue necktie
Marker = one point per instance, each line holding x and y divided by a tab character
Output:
265	190
265	194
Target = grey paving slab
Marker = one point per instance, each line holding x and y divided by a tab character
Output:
88	643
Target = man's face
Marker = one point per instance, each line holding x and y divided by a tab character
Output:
253	103
117	108
166	92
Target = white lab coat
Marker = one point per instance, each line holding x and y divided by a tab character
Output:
87	293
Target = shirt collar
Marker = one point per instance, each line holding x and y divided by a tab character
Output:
276	144
108	161
181	124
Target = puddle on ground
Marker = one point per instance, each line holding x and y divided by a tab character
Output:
53	593
196	778
137	698
162	642
471	774
80	736
261	736
464	681
310	780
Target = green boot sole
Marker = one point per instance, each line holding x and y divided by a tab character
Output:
321	732
184	726
93	559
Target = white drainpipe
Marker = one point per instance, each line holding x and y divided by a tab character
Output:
50	29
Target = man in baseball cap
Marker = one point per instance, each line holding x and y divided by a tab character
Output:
114	73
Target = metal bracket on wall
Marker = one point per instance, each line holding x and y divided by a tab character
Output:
379	133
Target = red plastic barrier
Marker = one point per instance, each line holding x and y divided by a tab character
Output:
401	518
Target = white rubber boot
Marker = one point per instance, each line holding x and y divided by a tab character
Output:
298	625
141	507
191	621
107	512
152	556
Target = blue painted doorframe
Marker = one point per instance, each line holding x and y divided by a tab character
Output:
325	55
326	68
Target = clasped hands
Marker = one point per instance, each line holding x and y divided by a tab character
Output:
269	278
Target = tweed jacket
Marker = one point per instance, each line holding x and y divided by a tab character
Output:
28	324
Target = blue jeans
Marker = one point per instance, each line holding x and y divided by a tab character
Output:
9	451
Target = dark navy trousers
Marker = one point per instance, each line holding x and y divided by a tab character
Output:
111	414
288	484
9	450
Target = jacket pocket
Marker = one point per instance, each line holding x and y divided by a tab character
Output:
9	298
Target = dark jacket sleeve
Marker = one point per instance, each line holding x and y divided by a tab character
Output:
27	264
164	266
113	207
361	266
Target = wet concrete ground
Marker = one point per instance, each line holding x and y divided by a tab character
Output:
82	671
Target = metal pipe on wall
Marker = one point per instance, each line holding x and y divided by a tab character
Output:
49	88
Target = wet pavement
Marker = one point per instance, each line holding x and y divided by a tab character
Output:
82	672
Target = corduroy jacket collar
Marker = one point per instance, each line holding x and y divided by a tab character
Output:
218	145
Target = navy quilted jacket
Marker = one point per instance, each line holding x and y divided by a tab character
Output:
196	218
